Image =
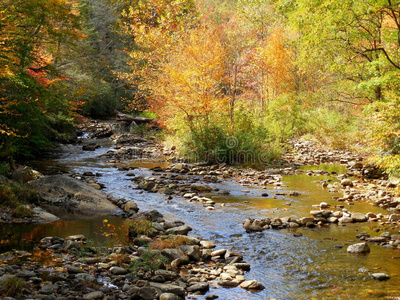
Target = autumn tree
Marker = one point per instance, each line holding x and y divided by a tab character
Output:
30	35
189	81
153	27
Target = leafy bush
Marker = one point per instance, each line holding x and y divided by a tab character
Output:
169	242
140	226
384	133
148	114
13	286
149	261
247	143
5	169
283	117
101	105
15	198
60	128
332	127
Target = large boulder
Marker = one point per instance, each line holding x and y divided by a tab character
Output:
71	193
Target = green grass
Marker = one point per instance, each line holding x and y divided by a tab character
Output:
15	198
149	261
12	286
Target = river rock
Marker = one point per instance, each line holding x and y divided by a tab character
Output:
180	230
345	219
90	147
358	248
200	187
6	277
168	288
358	217
169	296
43	215
69	244
147	185
149	293
305	220
168	275
394	217
346	182
207	244
76	238
74	270
228	283
131	206
253	228
376	239
370	215
252	285
242	266
172	254
380	276
199	287
219	252
332	220
118	271
192	251
316	213
48	289
94	295
69	192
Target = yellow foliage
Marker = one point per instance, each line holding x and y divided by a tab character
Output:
190	80
275	63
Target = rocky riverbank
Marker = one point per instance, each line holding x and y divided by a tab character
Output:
161	262
184	266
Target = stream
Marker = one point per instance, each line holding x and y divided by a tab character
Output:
312	266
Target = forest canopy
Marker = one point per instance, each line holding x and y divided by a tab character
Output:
225	78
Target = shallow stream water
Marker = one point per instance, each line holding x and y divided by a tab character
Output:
313	266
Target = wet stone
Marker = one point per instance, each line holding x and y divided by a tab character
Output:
252	285
74	270
118	271
358	248
380	276
94	295
169	296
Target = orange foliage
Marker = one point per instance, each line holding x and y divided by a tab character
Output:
275	62
190	80
154	27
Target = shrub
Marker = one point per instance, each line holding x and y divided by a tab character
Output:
149	261
101	106
140	226
14	197
22	211
169	242
60	128
5	169
248	142
12	286
332	127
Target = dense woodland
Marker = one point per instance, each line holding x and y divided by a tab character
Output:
221	76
